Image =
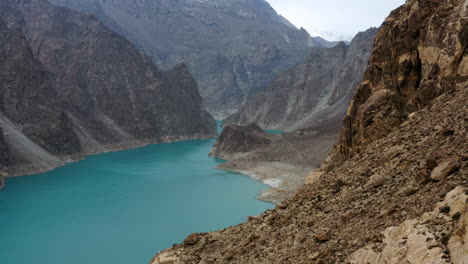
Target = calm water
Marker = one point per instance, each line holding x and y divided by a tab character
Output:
122	207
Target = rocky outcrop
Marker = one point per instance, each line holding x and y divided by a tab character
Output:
280	160
357	195
315	93
239	139
410	65
72	87
233	48
426	239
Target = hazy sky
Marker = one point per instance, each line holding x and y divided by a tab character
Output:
341	17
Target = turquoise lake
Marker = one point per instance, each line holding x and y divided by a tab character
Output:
122	207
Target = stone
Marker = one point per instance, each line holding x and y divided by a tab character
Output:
414	241
458	242
167	257
192	239
440	172
314	177
431	164
423	176
323	236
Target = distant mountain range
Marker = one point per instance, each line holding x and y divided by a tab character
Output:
233	48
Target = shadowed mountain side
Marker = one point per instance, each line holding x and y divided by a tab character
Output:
73	87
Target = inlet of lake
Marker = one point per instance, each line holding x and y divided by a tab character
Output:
122	207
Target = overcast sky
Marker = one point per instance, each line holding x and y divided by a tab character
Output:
341	17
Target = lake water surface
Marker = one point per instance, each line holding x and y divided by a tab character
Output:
122	207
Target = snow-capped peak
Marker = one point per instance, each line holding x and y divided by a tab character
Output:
327	35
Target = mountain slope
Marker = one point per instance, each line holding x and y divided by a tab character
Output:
317	91
397	195
88	88
32	124
233	48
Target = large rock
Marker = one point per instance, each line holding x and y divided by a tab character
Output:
411	64
72	87
458	243
416	240
441	172
233	47
314	93
239	139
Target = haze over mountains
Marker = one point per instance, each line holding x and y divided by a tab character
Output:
233	48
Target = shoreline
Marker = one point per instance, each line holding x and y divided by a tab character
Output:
283	178
32	170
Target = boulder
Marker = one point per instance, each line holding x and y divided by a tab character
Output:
192	239
441	172
239	139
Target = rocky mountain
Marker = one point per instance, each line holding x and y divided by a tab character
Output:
233	48
239	139
395	189
313	93
72	87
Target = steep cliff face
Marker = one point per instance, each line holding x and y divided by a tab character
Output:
419	55
316	92
233	48
73	86
402	197
32	120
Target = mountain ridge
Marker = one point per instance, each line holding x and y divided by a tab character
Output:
232	48
316	91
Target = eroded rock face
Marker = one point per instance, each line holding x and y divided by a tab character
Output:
233	47
426	239
239	139
418	55
73	87
314	93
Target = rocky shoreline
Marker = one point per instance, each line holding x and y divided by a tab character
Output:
282	161
283	178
